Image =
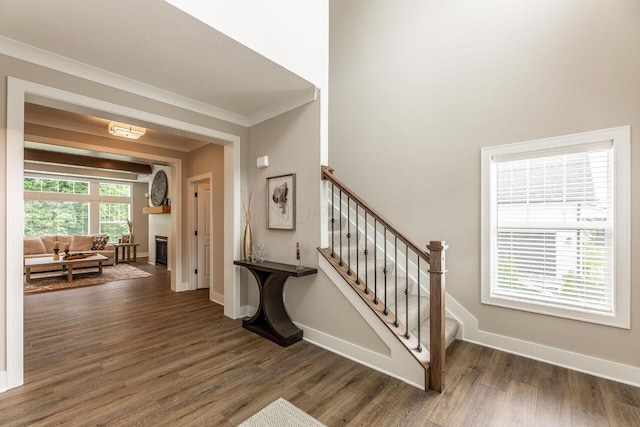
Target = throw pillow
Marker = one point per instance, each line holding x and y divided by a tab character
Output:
33	246
100	242
49	242
81	243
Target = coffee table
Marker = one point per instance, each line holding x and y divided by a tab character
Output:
67	265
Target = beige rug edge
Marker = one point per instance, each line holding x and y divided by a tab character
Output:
55	281
281	413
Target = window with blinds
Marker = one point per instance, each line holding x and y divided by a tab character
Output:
554	229
550	230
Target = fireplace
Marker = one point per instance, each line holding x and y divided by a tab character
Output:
161	251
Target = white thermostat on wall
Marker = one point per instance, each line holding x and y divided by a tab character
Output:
262	162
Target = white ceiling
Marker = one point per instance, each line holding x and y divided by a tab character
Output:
155	43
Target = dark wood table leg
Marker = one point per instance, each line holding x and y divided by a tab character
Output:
135	254
70	273
271	320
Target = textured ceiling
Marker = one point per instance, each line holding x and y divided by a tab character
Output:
153	42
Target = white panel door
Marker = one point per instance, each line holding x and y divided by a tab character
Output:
203	235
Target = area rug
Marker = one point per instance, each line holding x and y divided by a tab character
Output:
282	414
55	281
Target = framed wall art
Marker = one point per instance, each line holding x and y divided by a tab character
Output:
281	202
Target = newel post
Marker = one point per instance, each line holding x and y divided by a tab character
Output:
437	272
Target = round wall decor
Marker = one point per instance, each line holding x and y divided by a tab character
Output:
158	188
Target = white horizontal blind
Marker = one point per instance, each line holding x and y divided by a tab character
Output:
553	237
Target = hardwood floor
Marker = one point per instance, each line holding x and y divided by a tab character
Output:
134	353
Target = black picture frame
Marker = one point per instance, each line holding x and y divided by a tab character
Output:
281	202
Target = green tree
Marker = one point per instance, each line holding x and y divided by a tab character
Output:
45	217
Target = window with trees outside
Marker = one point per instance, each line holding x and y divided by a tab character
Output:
50	185
51	214
555	226
66	206
114	216
49	217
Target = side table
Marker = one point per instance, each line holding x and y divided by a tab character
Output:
271	320
127	246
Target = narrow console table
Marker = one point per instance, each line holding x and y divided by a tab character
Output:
271	320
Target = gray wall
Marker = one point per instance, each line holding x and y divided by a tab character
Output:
292	142
419	87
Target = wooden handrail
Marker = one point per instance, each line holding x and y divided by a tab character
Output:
435	256
327	174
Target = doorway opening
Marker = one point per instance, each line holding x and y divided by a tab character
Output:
19	92
203	211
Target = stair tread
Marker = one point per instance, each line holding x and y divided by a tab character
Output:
451	327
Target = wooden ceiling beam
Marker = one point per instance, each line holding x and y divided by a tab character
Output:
55	157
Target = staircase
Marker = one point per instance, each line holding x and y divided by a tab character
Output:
390	274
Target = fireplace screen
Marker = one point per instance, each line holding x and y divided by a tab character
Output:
161	251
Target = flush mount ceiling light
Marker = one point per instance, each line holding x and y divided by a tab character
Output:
125	130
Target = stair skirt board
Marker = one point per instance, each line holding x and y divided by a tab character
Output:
397	364
451	325
388	280
366	271
400	364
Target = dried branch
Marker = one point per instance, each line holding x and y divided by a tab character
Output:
246	204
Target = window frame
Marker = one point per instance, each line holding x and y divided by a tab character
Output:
128	200
621	286
93	197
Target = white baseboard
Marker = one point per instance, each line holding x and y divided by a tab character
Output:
217	297
567	359
469	331
246	311
142	254
398	363
352	351
3	381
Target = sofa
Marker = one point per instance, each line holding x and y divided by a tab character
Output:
43	246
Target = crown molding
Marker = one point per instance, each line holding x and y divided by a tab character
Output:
66	65
308	95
